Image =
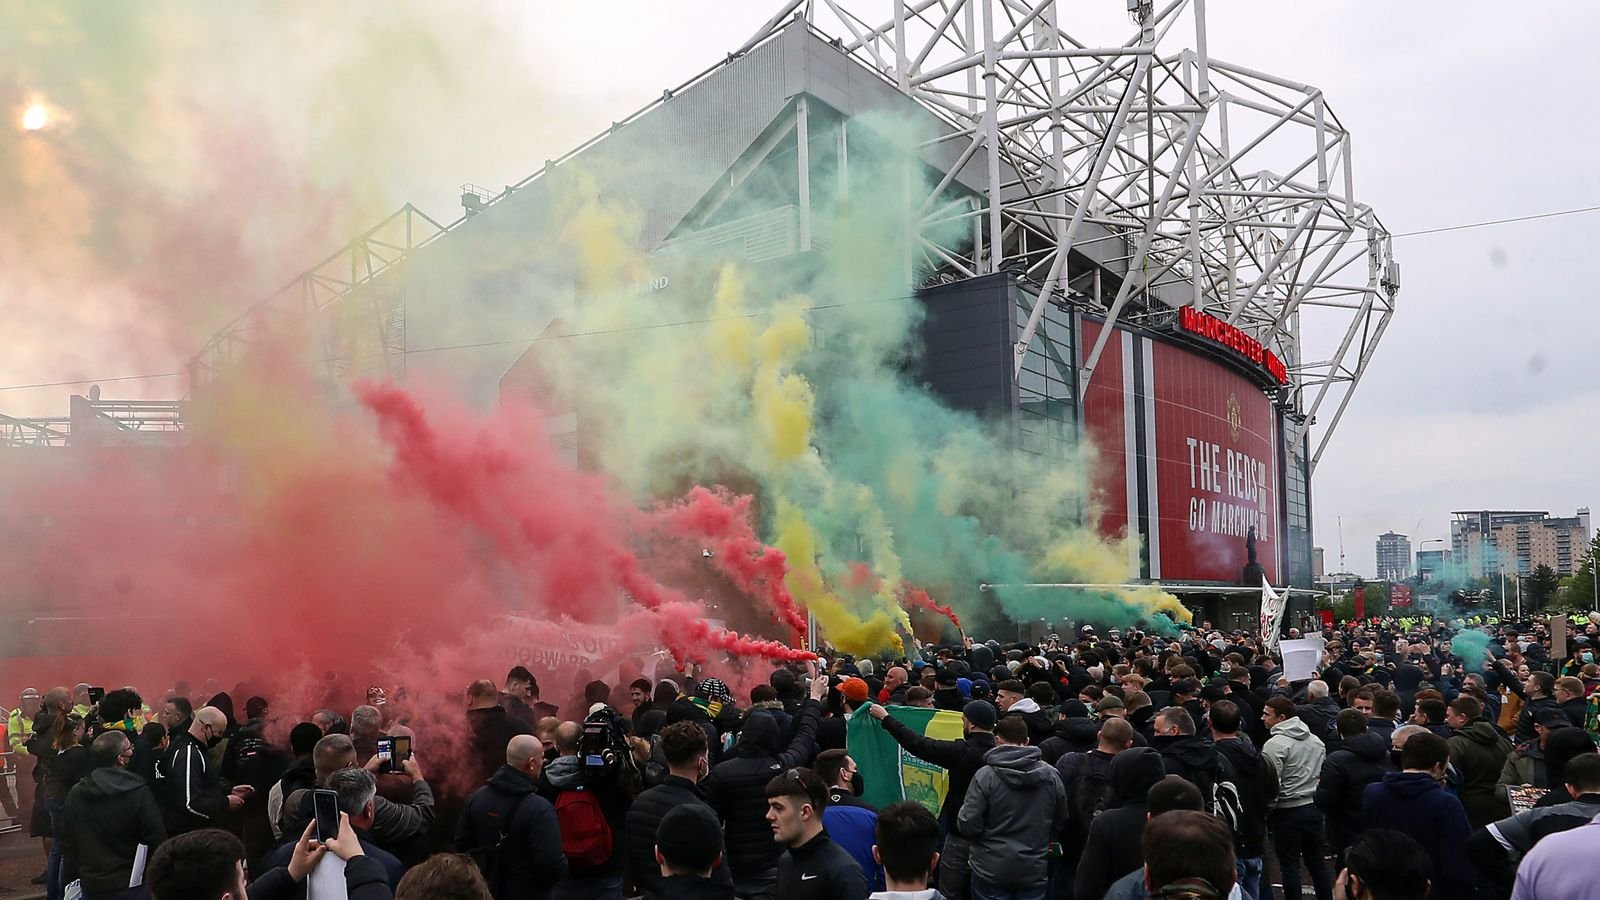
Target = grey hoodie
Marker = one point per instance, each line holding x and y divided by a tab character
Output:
1297	756
1016	804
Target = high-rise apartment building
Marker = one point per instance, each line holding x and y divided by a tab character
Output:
1519	541
1317	569
1394	557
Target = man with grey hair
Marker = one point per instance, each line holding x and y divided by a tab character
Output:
399	827
358	799
366	724
109	814
1319	711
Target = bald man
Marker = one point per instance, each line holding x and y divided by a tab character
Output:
512	830
491	728
894	687
192	796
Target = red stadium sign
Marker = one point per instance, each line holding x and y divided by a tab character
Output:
1221	333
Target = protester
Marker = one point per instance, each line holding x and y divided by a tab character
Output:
737	790
511	831
683	745
491	728
1496	849
1188	855
812	866
1113	849
1361	759
850	821
1478	753
357	794
1257	784
109	814
301	774
1013	808
962	759
1186	754
688	849
1413	801
906	844
1296	826
444	876
1383	864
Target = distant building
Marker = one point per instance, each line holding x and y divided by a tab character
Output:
1394	557
1519	541
1317	570
1432	563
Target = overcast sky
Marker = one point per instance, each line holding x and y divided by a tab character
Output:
1483	393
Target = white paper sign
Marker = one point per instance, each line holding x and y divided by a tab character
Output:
1301	658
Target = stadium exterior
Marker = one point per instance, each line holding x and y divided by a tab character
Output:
1157	251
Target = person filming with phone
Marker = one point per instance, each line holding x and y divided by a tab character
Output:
352	804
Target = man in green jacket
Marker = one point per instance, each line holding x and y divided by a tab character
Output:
110	813
1478	753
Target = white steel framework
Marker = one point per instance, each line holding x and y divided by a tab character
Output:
1201	182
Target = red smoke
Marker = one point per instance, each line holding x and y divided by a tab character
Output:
723	521
916	598
393	544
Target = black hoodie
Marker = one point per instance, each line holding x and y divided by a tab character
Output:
1257	784
1361	759
737	787
1114	849
1193	758
1073	735
109	814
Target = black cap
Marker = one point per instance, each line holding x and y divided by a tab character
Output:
945	678
690	837
981	713
1551	717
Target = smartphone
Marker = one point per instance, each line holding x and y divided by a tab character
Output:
325	805
402	752
96	694
386	754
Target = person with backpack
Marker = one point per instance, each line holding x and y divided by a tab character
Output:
1112	849
510	831
1086	778
588	784
1188	755
1257	785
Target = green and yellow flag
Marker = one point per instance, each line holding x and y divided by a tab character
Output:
891	773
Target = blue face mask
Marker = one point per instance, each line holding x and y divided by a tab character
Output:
1587	657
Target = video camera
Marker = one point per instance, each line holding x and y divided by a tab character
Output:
603	748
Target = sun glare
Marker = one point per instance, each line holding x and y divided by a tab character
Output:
35	117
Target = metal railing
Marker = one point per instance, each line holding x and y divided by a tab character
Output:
13	817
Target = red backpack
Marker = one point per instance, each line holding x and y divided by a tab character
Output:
585	834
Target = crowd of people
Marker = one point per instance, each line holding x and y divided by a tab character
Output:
1422	759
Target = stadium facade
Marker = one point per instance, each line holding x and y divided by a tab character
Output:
1155	251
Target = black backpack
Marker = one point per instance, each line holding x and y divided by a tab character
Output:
488	859
1091	792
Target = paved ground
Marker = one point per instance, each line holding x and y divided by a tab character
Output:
21	858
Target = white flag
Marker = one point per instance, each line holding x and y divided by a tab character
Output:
1271	615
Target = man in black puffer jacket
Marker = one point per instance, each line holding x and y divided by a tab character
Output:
683	745
962	759
1075	732
511	831
737	790
1362	759
1188	755
1318	711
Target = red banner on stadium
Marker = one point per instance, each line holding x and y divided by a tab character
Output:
1186	459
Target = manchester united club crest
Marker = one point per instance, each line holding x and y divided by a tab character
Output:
1235	416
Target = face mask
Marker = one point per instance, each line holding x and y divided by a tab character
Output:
213	741
858	783
1394	756
1588	657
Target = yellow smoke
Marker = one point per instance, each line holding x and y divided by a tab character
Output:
842	628
1099	561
